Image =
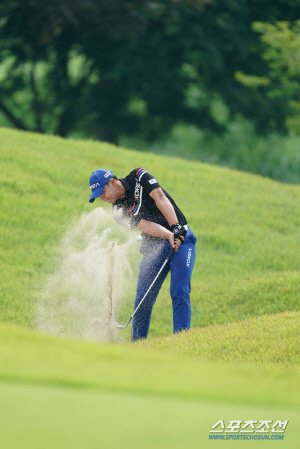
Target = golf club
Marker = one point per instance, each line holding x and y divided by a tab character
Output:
120	326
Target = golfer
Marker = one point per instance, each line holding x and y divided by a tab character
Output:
141	204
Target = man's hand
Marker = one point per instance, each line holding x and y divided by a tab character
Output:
175	243
157	230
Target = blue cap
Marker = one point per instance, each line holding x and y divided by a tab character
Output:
98	180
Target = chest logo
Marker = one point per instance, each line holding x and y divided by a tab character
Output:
137	191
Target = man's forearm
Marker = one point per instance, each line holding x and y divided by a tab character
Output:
154	229
166	208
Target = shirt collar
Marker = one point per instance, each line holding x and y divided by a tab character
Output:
125	184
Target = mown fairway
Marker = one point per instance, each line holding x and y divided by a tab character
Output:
63	418
62	393
59	393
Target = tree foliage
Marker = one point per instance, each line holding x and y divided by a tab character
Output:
282	54
103	68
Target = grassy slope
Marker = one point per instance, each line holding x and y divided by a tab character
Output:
28	356
58	393
247	231
266	340
247	226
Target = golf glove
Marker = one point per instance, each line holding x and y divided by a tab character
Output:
178	231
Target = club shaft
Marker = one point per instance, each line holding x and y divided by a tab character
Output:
163	266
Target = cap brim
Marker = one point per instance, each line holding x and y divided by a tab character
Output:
96	193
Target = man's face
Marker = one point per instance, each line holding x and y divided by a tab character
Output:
110	193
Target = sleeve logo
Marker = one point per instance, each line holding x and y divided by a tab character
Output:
152	181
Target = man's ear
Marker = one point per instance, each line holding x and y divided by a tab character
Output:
112	182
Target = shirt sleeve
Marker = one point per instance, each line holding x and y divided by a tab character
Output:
147	181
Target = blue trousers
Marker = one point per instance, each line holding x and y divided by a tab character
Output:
181	266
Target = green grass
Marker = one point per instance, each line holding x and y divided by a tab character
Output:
61	393
247	227
267	340
27	356
98	419
239	361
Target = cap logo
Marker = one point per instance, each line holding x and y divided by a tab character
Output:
107	174
95	185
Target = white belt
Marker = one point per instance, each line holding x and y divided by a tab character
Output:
185	227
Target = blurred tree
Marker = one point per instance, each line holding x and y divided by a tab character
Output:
282	53
103	68
70	64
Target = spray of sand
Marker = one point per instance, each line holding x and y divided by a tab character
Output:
81	298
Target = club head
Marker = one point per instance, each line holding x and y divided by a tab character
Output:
120	326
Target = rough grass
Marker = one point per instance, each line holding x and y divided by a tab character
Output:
28	356
247	227
267	340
